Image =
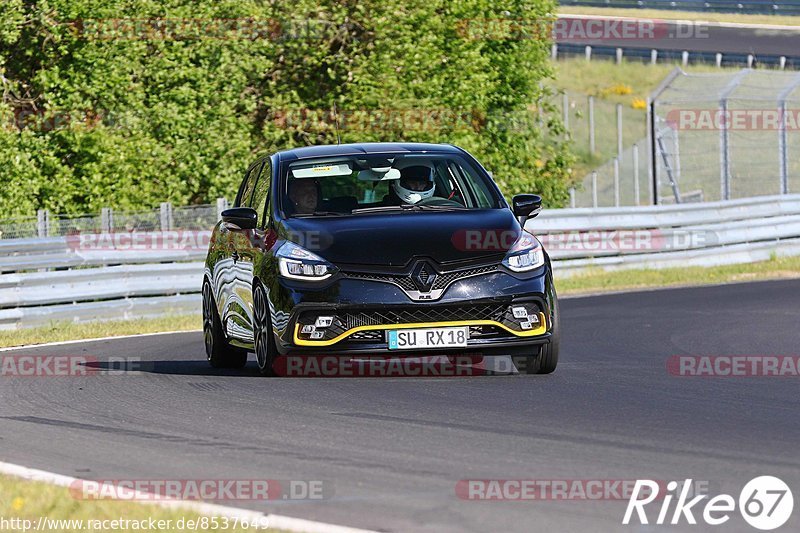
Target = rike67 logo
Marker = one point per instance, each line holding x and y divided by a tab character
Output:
765	503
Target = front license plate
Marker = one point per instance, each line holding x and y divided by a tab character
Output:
407	339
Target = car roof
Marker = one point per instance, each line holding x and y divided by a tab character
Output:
363	149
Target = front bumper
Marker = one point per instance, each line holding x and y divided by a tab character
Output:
362	312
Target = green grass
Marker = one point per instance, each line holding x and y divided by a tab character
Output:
628	84
783	20
596	281
67	331
20	499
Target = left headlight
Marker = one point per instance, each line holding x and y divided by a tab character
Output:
526	254
295	262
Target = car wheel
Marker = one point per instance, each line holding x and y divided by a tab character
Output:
266	351
219	352
546	360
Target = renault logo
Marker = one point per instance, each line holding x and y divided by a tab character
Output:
423	276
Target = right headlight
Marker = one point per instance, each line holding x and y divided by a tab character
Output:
295	262
526	254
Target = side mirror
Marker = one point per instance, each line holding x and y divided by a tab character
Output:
526	206
244	217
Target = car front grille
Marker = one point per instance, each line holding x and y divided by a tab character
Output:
405	282
422	315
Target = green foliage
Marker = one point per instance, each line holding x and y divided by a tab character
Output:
126	103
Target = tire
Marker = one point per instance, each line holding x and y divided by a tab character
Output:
264	340
546	360
219	352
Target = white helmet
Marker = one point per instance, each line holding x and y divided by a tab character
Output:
415	184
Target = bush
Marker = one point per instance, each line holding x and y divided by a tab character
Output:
127	103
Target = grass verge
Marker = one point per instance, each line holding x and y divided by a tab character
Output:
597	281
781	20
628	84
68	331
29	500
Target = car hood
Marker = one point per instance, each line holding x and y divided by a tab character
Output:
394	239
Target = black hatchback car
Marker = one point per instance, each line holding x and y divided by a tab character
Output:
377	249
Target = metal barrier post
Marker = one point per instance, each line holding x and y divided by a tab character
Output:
592	144
636	174
106	220
42	223
166	216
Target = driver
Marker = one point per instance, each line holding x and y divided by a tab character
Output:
415	184
304	195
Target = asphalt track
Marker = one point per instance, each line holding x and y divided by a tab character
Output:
695	37
393	449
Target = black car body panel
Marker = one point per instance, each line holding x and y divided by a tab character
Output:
389	270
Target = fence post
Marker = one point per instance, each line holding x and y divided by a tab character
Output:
42	223
594	188
724	152
783	141
783	62
651	151
676	155
592	144
619	130
616	182
166	216
636	174
554	51
724	136
719	60
685	58
222	205
106	220
588	52
619	56
653	56
572	197
782	150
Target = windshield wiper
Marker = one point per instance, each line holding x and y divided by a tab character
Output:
406	207
442	207
403	207
319	214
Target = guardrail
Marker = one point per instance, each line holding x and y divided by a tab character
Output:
54	279
665	236
769	7
645	54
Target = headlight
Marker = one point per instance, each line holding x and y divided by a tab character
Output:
525	255
295	262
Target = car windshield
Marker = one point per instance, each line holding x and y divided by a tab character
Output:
354	185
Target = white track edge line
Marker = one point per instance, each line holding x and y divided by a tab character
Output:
286	523
97	339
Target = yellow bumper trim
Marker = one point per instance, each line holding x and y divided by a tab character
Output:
529	333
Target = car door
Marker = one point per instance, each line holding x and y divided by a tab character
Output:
245	244
233	280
